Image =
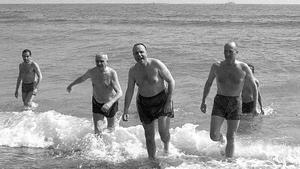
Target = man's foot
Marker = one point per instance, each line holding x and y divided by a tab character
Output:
166	149
223	140
110	129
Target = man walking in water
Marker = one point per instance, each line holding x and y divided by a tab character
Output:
230	74
31	76
154	101
106	91
247	96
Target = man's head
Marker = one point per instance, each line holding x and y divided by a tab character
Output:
139	51
101	61
26	55
251	67
230	50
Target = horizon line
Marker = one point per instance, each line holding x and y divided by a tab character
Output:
46	3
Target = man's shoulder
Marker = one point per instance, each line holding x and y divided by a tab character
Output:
111	70
243	64
93	69
216	64
155	61
34	64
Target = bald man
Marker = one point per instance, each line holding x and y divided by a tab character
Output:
106	91
231	75
154	98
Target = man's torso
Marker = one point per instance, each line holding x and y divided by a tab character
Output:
148	79
230	79
27	72
102	84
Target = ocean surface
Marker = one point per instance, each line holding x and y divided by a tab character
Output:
188	39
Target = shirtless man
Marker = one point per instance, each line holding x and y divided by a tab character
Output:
230	74
31	76
247	95
154	101
106	91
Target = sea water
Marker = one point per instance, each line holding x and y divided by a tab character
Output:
188	39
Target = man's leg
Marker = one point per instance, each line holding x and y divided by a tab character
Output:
96	118
215	127
150	139
163	129
29	98
232	126
111	123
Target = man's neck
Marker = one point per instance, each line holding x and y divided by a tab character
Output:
229	61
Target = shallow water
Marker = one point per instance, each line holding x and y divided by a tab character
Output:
188	39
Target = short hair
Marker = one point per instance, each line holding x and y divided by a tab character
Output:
137	44
251	67
102	55
25	51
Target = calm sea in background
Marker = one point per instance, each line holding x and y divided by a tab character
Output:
188	39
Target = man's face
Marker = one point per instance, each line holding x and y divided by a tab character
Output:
101	61
26	57
230	52
140	54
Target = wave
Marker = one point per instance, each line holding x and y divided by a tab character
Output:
73	136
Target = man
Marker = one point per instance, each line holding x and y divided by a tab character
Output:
230	74
247	95
153	100
31	76
106	91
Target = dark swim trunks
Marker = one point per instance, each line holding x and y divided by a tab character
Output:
229	107
248	107
151	108
110	113
28	87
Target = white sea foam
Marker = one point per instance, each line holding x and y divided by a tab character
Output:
64	133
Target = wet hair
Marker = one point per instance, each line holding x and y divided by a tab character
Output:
25	51
137	44
102	55
251	67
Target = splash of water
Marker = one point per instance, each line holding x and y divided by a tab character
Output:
189	148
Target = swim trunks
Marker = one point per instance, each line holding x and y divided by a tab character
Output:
28	87
229	107
248	107
110	113
151	108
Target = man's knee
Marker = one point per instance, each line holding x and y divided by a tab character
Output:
164	136
215	136
230	137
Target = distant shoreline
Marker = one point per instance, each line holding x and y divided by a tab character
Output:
229	3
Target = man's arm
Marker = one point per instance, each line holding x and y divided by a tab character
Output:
251	78
39	74
79	80
259	97
18	82
207	86
167	76
129	93
116	86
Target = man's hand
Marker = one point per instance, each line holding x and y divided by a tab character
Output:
125	116
168	107
16	94
203	107
69	89
34	91
106	107
262	111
